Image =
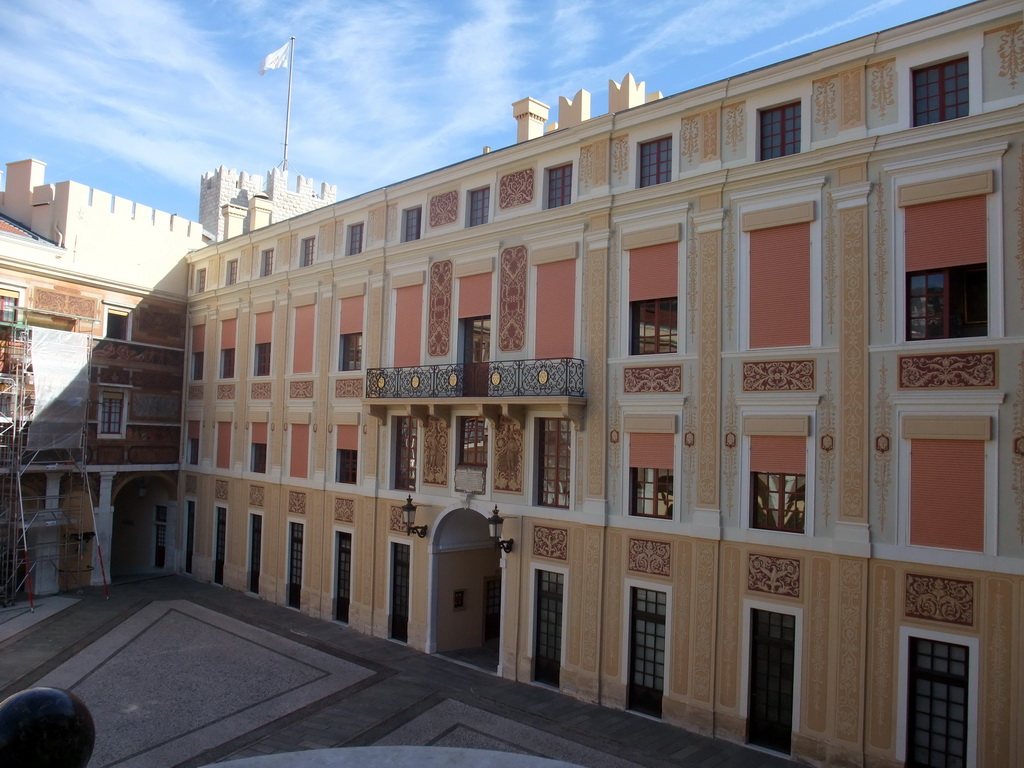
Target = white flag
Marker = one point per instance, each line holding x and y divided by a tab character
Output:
276	60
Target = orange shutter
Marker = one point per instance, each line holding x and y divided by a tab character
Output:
199	338
302	344
947	494
264	327
227	333
778	454
651	451
224	445
352	315
556	309
780	286
408	325
299	466
654	272
949	233
193	430
259	432
475	296
348	437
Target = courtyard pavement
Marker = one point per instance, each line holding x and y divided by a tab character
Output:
180	673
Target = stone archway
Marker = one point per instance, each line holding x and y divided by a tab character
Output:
143	524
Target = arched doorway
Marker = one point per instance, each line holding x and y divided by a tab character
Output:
467	589
143	526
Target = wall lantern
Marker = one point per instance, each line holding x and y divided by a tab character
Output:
409	514
494	524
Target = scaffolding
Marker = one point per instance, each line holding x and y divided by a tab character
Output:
47	519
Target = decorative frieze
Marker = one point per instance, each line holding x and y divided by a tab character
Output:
551	542
63	304
778	376
939	599
348	388
773	575
300	390
435	453
515	189
260	390
344	510
958	370
296	503
512	300
439	311
220	490
257	494
225	391
653	379
652	557
444	208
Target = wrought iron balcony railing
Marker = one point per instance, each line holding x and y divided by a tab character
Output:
552	377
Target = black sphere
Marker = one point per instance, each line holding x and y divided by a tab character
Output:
45	728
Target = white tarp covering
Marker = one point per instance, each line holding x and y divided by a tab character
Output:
60	367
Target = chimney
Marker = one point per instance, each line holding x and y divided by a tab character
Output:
531	116
575	110
234	219
22	177
260	211
629	94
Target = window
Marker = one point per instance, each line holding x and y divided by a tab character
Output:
355	239
559	191
197	366
412	222
192	444
648	639
307	252
651	479
653	326
937	700
227	363
656	162
653	302
117	324
350	352
200	280
479	204
473	442
231	277
111	413
780	131
198	351
405	453
947	269
347	456
227	348
547	639
553	461
940	92
261	359
8	306
258	447
777	482
267	262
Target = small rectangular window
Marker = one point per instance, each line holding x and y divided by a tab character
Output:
345	466
200	280
656	162
227	363
261	359
350	352
559	191
258	447
780	131
231	277
405	453
553	462
654	326
197	365
941	92
473	442
267	262
355	239
479	206
111	413
412	221
308	252
117	324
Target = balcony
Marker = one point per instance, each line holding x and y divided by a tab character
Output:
552	382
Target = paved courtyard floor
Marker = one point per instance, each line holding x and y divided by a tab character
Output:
179	673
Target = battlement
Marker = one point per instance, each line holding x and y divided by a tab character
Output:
225	186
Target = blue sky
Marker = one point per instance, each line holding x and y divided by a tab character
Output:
141	97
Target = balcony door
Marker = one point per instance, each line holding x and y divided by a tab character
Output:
476	353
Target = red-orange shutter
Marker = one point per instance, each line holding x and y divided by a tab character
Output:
556	309
408	325
475	296
949	233
299	466
651	451
654	272
348	437
947	494
302	344
352	315
780	286
778	454
224	445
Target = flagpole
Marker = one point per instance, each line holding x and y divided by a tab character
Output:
288	109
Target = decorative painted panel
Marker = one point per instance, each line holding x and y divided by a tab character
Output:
62	303
652	379
550	542
774	575
508	456
648	556
951	371
260	390
882	92
220	489
195	392
435	453
1010	52
296	503
444	208
302	390
778	376
439	311
515	189
191	484
939	599
396	520
257	494
512	300
620	159
689	140
348	388
225	391
344	510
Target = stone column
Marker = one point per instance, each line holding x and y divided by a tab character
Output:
104	530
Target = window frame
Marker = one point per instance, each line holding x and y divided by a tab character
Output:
258	457
262	358
354	239
663	478
473	447
635	308
307	251
266	262
231	272
654	162
478	206
543	451
200	282
346	465
962	93
227	363
412	224
118	312
558	186
197	369
790	133
404	453
956	295
350	356
106	414
755	495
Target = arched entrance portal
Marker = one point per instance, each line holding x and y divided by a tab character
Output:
467	589
144	521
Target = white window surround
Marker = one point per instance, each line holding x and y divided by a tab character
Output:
769	99
628	585
801	405
114	394
625	502
939	168
531	316
790	610
531	476
939	51
531	624
973	675
288	549
938	406
780	196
